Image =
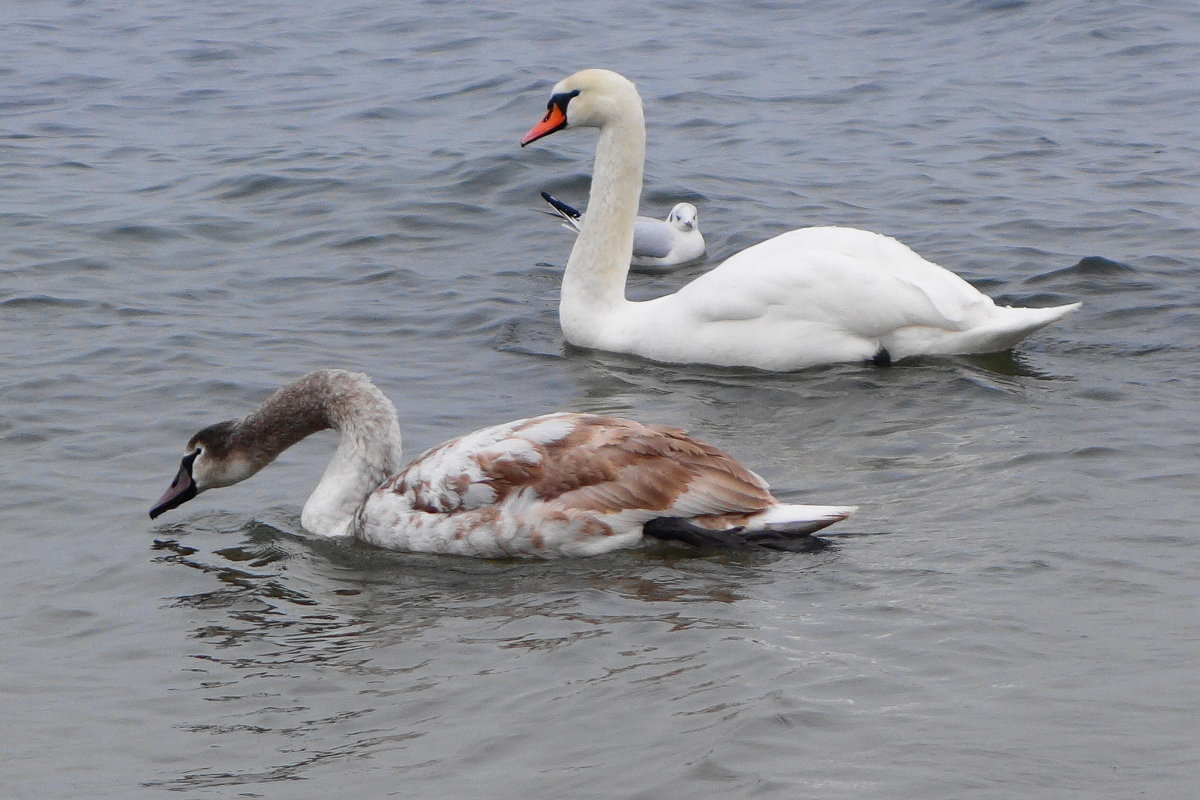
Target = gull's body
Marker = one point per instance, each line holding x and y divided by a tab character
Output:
658	244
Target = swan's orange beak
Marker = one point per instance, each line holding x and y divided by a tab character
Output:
555	120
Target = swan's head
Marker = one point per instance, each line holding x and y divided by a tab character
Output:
684	217
210	461
589	98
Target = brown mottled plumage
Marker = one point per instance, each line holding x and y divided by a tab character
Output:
554	485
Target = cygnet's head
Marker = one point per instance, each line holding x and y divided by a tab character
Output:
210	461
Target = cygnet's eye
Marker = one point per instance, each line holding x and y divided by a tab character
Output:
188	461
182	488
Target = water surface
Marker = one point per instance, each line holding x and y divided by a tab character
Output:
202	201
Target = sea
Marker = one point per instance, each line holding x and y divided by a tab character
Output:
200	201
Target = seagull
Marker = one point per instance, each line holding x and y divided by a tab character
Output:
657	244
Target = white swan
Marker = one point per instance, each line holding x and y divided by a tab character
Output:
549	486
810	296
657	244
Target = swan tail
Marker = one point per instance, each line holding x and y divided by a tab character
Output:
1001	330
781	527
1010	325
568	214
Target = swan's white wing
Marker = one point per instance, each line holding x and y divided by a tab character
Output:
952	296
863	282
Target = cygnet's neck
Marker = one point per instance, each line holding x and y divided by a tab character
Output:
368	450
593	285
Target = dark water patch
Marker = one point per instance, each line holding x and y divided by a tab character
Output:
42	302
25	105
983	283
257	184
530	337
1019	155
56	129
207	93
70	266
658	202
1088	266
139	233
1158	50
387	113
1033	229
466	175
1102	394
1010	363
134	153
141	312
22	436
310	236
211	53
388	275
1138	315
421	226
222	229
455	46
15	219
367	242
1123	349
283	285
195	298
77	82
476	87
1098	274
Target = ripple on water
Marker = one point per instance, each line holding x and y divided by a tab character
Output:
148	234
191	220
281	186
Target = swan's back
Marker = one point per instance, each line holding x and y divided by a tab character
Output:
827	294
854	276
558	484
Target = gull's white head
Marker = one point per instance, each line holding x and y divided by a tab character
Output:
684	217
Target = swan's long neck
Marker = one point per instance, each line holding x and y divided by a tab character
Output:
368	449
594	281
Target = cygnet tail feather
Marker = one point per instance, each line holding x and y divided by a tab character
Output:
781	527
794	519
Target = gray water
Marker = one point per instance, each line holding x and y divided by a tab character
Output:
201	201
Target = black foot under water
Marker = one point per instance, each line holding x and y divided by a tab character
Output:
883	358
679	529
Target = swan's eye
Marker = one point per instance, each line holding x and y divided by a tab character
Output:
560	100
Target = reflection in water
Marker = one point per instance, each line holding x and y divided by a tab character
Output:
207	202
334	650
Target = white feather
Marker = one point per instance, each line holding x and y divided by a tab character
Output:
807	297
